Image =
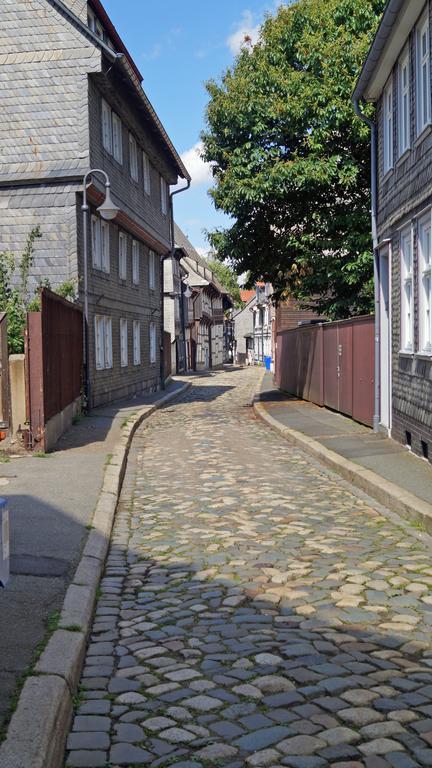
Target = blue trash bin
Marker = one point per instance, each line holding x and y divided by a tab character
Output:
267	362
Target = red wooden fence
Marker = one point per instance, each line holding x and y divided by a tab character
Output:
54	361
330	364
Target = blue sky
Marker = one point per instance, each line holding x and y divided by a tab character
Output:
178	45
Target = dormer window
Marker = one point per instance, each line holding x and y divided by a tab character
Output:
94	24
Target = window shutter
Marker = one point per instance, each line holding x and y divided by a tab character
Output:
123	342
106	126
117	138
163	194
99	342
146	173
136	342
105	233
108	342
96	241
152	275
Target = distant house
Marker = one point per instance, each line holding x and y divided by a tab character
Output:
243	328
175	309
396	77
204	321
72	100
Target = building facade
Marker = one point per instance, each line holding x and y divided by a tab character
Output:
263	313
206	308
397	77
73	100
243	328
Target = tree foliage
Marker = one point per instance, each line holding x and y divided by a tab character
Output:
16	296
291	159
227	277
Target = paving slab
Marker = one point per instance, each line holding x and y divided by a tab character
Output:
351	440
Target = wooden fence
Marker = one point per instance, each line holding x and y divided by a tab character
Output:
330	364
54	368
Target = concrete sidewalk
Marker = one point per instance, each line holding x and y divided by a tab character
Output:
51	501
351	448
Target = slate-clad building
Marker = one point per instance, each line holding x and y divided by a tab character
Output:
71	100
397	78
204	315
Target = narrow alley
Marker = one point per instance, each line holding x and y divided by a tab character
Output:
255	610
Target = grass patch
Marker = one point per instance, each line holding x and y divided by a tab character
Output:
4	459
41	455
51	624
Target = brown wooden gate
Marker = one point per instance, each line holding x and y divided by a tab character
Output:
53	362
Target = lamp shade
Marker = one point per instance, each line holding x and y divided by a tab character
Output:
188	292
107	209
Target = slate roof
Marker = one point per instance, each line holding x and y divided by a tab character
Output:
123	59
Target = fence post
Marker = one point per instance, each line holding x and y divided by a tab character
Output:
321	359
4	543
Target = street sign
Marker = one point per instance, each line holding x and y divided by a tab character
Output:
4	543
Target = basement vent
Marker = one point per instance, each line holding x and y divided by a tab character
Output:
425	449
408	439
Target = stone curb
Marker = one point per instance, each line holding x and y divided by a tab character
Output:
390	495
38	729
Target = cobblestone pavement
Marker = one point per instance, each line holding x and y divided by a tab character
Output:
255	610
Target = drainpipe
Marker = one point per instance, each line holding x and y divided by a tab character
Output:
374	202
167	256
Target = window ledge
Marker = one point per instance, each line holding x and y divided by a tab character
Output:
423	356
425	132
388	174
404	353
404	156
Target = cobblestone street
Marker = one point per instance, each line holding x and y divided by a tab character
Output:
255	610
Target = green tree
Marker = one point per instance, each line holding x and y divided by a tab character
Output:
291	159
227	277
16	297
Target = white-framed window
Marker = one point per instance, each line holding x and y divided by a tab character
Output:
146	173
404	138
153	338
388	127
136	330
407	315
123	342
135	262
425	284
103	342
133	157
164	195
107	130
152	270
117	138
423	75
122	256
100	233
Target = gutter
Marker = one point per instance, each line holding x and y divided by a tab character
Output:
374	207
168	255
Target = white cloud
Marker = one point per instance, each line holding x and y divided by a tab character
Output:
245	32
203	252
199	170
